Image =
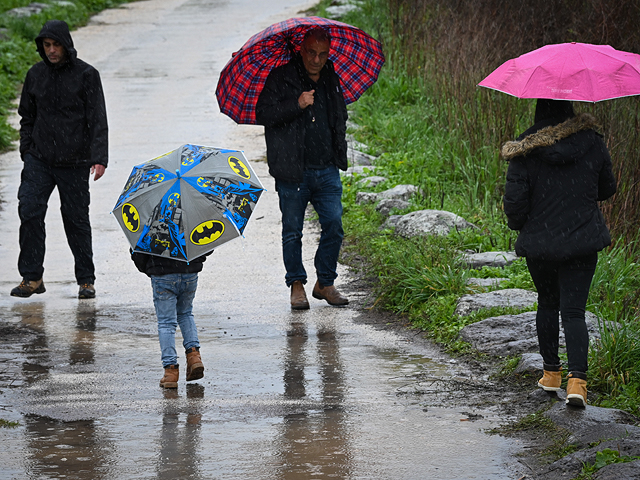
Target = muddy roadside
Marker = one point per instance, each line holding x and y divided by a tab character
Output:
559	442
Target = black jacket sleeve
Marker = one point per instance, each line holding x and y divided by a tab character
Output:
140	260
278	101
27	111
97	119
607	184
516	197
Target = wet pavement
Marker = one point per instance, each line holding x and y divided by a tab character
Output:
286	395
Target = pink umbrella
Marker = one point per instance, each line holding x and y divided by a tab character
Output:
569	71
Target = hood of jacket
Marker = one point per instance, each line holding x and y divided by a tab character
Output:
57	30
545	139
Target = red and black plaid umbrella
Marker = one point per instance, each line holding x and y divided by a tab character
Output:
357	58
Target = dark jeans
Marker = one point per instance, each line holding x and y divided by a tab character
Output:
38	180
323	189
563	287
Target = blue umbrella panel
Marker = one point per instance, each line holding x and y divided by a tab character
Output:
188	202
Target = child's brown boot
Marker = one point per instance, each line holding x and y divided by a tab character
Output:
170	378
195	368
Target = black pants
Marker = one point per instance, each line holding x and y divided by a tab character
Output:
563	287
38	180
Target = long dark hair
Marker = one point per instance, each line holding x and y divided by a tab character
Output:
556	111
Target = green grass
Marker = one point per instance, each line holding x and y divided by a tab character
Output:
8	424
604	457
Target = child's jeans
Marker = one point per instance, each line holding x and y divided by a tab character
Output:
173	298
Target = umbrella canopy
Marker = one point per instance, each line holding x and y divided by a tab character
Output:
187	202
569	71
357	58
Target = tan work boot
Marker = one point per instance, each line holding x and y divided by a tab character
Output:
298	296
28	288
576	391
170	378
195	368
550	381
330	294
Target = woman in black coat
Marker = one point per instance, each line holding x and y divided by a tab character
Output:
558	172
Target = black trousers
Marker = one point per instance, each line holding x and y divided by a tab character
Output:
38	180
563	287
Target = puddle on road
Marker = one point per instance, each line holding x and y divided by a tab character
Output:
310	398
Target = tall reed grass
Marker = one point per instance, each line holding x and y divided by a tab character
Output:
452	44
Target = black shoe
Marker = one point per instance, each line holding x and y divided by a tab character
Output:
28	288
87	291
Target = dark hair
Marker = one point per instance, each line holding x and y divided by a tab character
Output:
556	110
317	33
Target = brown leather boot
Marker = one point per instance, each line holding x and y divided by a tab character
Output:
28	288
195	368
576	391
298	296
330	294
170	378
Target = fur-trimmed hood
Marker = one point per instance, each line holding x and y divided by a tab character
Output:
548	136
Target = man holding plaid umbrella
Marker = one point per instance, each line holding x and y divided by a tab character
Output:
304	113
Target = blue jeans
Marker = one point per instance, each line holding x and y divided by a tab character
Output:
323	189
173	296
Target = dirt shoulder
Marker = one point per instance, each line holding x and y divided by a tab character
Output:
557	440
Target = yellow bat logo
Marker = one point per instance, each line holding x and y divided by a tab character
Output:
207	232
157	178
239	167
173	199
203	182
130	217
187	161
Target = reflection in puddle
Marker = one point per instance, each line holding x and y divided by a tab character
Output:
178	455
81	350
65	449
314	443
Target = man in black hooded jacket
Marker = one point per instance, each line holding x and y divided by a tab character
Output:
63	140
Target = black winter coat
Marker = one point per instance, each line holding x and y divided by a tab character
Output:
278	110
556	176
156	265
64	118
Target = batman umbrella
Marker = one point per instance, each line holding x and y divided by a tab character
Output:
187	202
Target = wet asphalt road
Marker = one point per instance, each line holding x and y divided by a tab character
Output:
286	395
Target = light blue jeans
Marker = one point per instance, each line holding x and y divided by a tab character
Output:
173	296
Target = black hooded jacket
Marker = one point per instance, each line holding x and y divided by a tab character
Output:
278	110
156	265
64	118
557	174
